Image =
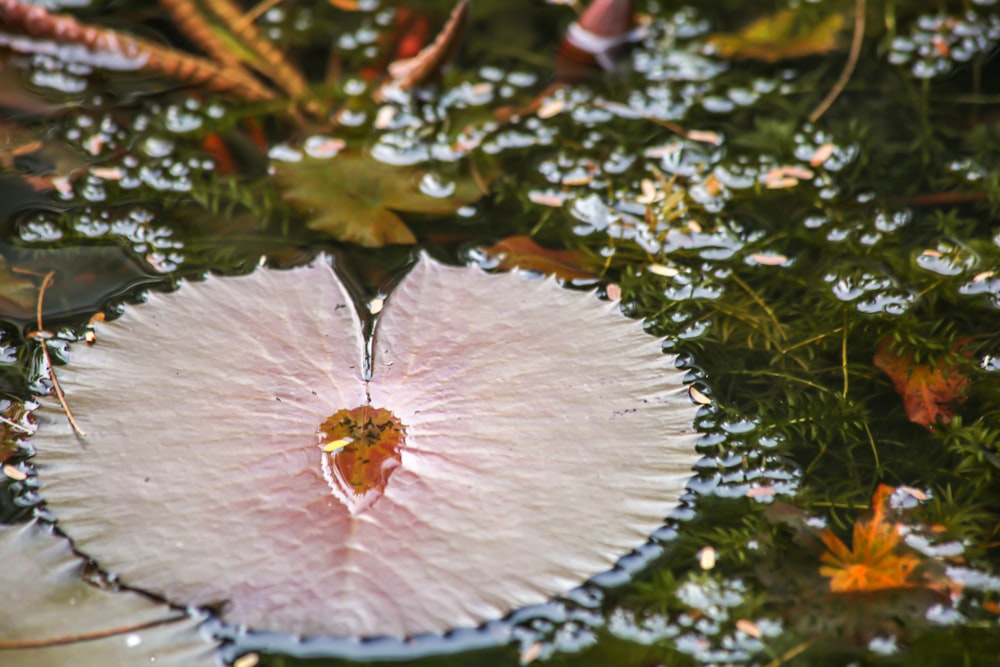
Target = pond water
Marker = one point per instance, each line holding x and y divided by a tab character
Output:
827	272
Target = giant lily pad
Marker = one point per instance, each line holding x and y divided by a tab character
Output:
54	618
513	439
354	197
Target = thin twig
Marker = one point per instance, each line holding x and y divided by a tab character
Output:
871	441
791	653
48	360
852	61
843	356
810	341
13	425
11	644
760	302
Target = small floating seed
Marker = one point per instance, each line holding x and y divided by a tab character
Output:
915	493
551	108
337	444
822	154
546	199
698	397
14	473
706	558
749	628
704	137
780	183
578	180
247	660
649	192
531	653
108	173
384	117
661	270
768	259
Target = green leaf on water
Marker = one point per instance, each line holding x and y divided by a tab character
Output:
354	197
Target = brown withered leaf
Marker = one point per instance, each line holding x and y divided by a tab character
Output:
522	251
356	198
930	392
782	36
419	69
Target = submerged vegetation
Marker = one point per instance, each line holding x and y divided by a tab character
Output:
801	200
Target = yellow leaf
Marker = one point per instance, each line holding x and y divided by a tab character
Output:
780	37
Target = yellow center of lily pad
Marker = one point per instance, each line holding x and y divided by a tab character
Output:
360	451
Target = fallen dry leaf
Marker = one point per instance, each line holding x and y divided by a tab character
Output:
930	392
356	198
428	63
523	252
780	37
594	41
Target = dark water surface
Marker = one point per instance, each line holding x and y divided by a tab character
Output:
786	262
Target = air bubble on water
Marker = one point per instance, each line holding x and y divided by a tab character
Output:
179	121
157	147
284	153
433	185
946	259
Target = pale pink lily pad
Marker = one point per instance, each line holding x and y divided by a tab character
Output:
545	437
45	600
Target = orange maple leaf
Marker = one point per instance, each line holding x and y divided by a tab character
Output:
874	561
930	393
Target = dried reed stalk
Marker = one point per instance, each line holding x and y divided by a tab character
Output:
189	18
273	63
40	24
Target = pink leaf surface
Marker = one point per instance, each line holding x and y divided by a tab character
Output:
545	436
45	601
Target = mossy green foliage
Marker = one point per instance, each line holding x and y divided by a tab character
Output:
775	294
